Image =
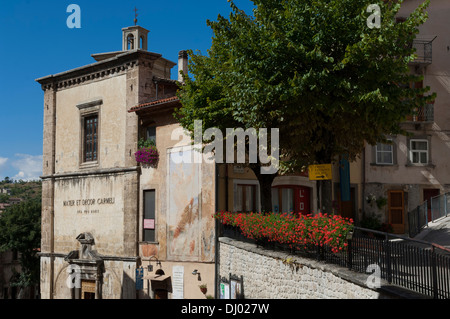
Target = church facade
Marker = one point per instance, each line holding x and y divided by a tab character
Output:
112	226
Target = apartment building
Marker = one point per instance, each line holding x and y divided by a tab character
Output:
402	175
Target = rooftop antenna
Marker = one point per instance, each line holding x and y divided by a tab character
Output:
135	15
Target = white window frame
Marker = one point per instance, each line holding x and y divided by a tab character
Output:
380	151
411	151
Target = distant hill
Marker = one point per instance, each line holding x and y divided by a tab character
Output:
20	189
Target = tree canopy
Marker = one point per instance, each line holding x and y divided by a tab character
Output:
20	230
313	69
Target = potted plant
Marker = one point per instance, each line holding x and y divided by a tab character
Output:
203	288
381	202
147	152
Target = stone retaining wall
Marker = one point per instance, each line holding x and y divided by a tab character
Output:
277	275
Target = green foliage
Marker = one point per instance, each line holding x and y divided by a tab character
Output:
313	69
20	230
22	189
144	143
373	222
4	198
381	202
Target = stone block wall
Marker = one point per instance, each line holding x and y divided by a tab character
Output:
277	275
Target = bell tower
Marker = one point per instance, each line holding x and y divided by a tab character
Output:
134	37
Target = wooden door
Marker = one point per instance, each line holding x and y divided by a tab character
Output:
347	209
396	204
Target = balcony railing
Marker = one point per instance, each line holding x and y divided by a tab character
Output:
423	114
424	51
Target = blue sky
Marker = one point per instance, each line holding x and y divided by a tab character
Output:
37	42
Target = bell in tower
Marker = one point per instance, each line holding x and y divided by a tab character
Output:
134	37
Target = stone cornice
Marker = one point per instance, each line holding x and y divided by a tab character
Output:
116	65
89	173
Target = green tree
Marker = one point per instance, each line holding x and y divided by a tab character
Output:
312	68
4	198
20	230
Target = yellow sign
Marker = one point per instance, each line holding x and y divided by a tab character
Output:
320	172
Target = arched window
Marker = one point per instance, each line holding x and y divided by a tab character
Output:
141	42
130	42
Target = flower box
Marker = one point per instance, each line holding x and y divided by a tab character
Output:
147	153
290	231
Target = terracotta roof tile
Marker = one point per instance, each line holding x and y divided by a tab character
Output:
160	101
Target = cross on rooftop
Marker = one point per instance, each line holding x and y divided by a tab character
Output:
135	15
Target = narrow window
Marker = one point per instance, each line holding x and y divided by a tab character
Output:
151	134
90	138
149	216
384	154
245	199
419	151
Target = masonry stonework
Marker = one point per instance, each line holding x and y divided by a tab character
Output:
278	275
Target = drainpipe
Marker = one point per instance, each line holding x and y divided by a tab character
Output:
156	86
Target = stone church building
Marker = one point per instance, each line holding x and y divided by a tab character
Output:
113	227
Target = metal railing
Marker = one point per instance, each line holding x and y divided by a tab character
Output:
412	264
424	114
440	206
419	217
424	51
415	265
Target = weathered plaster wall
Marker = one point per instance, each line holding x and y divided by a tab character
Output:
190	281
185	200
96	204
112	114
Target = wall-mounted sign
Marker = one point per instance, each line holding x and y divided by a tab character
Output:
232	287
139	278
89	201
149	224
319	172
236	291
224	290
89	205
177	282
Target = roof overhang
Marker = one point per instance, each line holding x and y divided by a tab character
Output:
157	105
106	60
